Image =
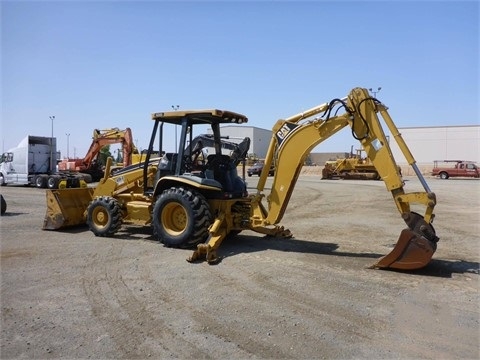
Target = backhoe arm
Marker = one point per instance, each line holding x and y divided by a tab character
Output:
291	143
295	137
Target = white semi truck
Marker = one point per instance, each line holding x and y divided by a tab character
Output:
34	162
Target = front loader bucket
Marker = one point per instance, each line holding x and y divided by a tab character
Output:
412	251
66	207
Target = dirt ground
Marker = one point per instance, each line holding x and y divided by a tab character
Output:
69	294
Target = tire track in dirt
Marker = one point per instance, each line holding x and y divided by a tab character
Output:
331	300
126	318
218	339
286	326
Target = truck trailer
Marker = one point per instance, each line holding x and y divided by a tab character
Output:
34	162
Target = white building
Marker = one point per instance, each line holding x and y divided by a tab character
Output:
260	138
428	144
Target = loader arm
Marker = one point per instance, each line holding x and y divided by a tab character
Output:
295	137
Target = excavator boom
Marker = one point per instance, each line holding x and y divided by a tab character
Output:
110	136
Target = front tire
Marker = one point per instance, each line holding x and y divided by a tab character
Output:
181	218
104	216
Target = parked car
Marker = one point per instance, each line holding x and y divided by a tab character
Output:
453	168
257	168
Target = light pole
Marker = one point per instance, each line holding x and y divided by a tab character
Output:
51	145
68	147
175	108
375	92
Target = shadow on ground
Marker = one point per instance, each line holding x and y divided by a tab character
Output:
244	243
249	244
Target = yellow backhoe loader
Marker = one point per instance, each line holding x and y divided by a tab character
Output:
199	203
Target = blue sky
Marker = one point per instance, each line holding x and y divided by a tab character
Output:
113	63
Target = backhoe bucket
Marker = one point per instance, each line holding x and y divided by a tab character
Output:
66	207
412	251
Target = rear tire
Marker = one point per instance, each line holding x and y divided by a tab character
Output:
2	181
41	181
444	175
104	216
181	218
53	182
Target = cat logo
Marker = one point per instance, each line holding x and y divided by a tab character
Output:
284	131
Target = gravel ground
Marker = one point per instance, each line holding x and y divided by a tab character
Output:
69	294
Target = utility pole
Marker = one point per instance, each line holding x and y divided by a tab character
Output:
175	108
375	92
51	146
68	152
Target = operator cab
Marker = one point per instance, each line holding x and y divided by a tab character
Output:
200	162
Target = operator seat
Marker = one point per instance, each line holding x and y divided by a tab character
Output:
219	166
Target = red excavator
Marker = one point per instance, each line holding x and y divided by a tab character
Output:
90	164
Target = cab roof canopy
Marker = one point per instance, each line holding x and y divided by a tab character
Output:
213	116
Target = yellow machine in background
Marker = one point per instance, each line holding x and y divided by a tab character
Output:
354	167
200	204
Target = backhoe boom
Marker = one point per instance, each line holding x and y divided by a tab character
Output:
295	137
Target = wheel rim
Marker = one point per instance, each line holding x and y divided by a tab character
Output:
174	219
51	183
100	217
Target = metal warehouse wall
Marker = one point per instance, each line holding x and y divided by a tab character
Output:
439	143
260	138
